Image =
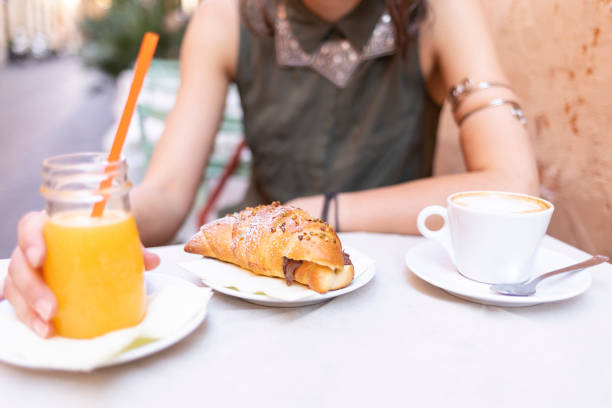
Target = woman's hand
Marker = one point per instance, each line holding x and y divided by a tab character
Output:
34	303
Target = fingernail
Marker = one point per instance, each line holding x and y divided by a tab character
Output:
39	327
34	256
44	309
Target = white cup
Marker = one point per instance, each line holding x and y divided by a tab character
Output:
491	236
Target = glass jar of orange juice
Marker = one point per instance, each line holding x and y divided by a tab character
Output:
94	264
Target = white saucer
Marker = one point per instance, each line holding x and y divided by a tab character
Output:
154	282
365	269
430	262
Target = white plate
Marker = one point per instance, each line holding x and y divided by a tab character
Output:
362	276
154	282
430	262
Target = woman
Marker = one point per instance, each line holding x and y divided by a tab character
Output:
341	101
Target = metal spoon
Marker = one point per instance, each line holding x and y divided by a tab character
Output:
528	287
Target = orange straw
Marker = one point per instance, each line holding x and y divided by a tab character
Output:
147	50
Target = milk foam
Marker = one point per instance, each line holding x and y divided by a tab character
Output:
500	203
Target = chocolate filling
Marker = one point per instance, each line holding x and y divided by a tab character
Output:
289	267
347	258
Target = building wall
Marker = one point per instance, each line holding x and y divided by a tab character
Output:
50	23
558	56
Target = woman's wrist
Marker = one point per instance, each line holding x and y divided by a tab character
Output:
314	205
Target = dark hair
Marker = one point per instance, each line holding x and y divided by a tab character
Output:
406	16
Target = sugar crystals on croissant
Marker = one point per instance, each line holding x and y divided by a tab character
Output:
279	241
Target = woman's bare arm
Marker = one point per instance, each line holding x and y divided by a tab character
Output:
208	60
496	147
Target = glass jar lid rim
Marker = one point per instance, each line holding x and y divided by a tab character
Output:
63	161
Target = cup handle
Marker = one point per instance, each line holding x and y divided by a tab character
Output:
442	236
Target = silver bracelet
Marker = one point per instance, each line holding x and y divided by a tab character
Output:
515	109
465	88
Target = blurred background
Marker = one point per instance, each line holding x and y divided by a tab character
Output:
65	72
65	69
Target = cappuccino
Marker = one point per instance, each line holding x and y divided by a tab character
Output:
500	203
490	236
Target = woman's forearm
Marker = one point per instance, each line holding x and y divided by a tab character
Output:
157	217
394	209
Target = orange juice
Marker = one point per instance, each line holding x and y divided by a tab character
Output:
94	266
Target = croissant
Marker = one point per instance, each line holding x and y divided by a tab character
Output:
279	241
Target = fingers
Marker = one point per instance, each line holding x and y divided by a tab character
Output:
30	238
31	287
24	288
151	261
24	312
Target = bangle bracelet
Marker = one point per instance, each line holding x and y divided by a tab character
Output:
337	218
515	109
465	88
325	210
329	197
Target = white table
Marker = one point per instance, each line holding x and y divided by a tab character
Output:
395	342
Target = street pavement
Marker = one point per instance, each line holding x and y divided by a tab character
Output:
46	108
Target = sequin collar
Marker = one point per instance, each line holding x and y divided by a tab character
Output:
336	50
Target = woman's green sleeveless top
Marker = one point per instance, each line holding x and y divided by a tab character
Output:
309	135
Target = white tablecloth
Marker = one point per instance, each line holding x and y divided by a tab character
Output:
395	342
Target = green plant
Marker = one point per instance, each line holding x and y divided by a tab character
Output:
111	42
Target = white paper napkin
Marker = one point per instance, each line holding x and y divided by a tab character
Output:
221	274
170	307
